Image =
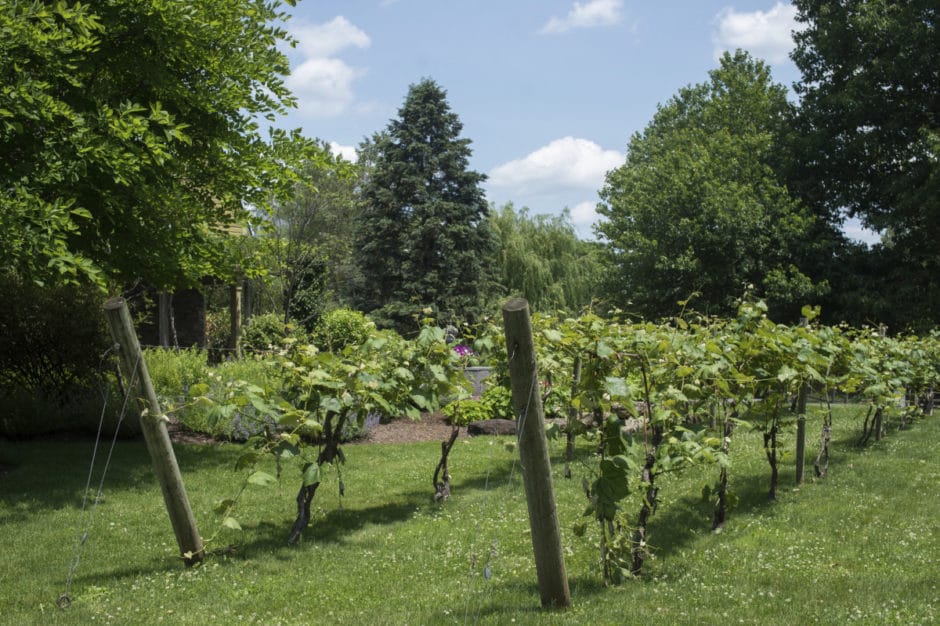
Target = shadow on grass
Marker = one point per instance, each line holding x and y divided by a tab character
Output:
525	600
50	475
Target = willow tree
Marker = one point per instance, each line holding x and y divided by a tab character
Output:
541	259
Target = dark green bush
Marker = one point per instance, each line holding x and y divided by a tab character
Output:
52	374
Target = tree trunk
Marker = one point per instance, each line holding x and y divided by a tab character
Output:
721	509
329	452
442	487
649	503
821	466
770	449
572	417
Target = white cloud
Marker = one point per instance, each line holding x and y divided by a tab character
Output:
322	82
347	152
765	34
587	15
563	163
584	215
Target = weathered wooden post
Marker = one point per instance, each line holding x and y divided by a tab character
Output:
153	425
533	455
235	313
801	424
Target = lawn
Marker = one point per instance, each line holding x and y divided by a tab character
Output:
862	545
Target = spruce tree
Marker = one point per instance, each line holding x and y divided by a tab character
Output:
423	237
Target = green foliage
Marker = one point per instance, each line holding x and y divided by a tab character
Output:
462	412
97	164
268	332
494	403
218	333
311	234
325	397
52	374
423	236
339	328
698	207
860	59
541	259
173	372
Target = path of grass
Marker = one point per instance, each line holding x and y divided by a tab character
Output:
863	545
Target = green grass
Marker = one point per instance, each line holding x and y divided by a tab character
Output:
862	545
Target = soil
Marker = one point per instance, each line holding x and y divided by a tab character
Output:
431	427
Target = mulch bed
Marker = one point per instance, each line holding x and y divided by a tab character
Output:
430	427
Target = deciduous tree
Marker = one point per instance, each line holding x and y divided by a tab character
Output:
698	208
868	130
129	134
541	259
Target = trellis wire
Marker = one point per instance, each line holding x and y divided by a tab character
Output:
86	517
494	544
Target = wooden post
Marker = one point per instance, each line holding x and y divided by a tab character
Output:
153	425
801	424
163	318
533	455
235	312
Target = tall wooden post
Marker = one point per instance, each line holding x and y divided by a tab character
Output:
235	312
533	454
801	425
153	425
164	312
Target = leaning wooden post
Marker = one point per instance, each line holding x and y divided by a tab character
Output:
533	455
153	424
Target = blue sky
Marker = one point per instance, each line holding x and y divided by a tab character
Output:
549	91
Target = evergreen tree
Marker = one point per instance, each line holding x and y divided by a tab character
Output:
424	238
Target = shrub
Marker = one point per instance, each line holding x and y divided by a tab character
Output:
218	333
341	327
209	419
496	402
462	412
268	332
173	371
52	374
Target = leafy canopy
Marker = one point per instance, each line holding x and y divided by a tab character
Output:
868	135
698	207
541	259
129	134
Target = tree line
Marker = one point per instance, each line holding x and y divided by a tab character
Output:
111	176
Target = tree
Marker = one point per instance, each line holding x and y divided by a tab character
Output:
868	131
424	238
541	259
697	207
129	136
312	233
